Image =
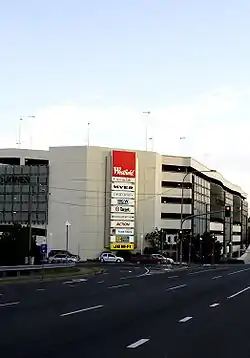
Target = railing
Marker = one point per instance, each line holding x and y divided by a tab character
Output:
4	270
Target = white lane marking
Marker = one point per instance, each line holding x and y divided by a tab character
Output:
214	305
138	343
216	277
1	294
185	319
7	304
233	273
99	282
201	271
146	273
176	287
119	286
238	293
40	289
173	276
81	310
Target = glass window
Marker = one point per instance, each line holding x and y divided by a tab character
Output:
9	188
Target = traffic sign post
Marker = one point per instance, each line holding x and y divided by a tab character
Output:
43	249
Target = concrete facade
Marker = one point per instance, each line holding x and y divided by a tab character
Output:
79	182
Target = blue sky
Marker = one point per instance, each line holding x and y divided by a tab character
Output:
102	61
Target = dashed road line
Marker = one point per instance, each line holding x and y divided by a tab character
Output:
176	287
173	276
216	277
201	271
7	304
185	319
239	292
119	286
99	282
138	343
40	289
81	310
213	305
235	272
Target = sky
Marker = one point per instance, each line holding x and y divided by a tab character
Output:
104	62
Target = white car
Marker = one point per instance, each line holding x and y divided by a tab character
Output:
163	258
107	257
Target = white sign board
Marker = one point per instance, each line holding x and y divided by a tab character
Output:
122	231
123	194
122	209
123	186
118	216
119	179
122	223
122	201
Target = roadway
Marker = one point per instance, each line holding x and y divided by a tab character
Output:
130	312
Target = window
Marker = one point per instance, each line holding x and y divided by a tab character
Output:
175	184
173	216
167	200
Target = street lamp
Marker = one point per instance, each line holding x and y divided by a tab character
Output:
146	129
67	224
20	128
182	200
201	253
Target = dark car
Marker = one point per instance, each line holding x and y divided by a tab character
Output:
146	259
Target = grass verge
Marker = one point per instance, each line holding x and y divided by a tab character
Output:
53	274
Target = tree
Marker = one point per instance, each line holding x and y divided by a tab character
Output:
14	245
211	248
156	241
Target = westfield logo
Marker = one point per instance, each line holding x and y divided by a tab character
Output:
123	172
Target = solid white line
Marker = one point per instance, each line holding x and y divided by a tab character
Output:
215	277
233	273
9	304
82	310
214	305
173	276
176	287
238	293
185	319
138	343
118	286
201	271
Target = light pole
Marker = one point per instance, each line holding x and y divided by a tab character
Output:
19	142
146	130
213	248
182	200
67	224
201	253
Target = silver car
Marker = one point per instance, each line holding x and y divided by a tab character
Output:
62	258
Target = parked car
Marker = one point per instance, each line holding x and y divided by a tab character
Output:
164	259
62	258
147	259
52	253
108	257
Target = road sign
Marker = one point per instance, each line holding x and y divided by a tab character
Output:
43	248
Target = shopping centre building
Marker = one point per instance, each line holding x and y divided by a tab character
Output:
108	198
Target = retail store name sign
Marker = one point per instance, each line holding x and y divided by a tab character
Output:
14	179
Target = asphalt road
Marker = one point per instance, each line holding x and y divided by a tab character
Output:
130	312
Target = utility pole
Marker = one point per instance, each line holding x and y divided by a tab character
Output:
30	222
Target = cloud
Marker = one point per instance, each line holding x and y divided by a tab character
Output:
214	124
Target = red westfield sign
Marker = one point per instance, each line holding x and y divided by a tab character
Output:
123	164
